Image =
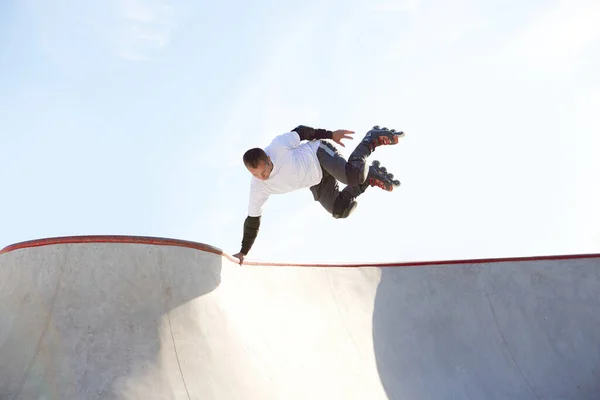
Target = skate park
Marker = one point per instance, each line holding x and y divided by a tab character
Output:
124	317
124	200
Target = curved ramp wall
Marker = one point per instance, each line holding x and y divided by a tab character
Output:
135	317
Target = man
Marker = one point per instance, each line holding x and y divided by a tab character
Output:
302	158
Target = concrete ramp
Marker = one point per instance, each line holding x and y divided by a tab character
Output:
148	318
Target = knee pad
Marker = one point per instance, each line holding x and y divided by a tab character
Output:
357	172
343	207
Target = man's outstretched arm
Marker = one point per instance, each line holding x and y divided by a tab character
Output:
251	226
308	133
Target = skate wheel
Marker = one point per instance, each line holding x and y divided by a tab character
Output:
383	169
391	176
376	127
396	182
384	129
375	163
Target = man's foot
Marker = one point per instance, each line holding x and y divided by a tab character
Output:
378	176
381	137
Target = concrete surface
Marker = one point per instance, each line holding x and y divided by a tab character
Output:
141	318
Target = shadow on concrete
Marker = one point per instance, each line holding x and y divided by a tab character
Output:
90	320
526	330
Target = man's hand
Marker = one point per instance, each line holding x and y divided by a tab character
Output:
340	134
240	256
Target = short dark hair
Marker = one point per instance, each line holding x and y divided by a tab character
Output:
254	156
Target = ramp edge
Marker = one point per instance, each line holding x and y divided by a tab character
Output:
159	241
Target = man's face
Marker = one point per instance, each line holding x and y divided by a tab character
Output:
263	170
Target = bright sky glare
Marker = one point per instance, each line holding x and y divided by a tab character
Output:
130	117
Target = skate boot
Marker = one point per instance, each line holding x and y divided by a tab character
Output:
381	137
378	176
374	138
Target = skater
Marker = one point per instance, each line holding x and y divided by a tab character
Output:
289	164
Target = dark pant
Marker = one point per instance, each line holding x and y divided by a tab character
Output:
339	203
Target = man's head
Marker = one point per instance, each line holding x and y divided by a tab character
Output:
258	163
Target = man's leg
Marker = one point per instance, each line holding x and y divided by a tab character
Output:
340	204
355	171
335	168
374	138
336	165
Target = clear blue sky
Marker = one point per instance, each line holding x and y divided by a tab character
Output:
130	117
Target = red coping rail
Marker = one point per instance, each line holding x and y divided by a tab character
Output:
211	249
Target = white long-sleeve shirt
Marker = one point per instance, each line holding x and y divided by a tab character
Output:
295	166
